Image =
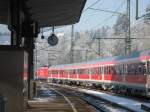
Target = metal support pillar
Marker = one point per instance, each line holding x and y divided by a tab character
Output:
30	49
86	57
99	47
137	9
15	10
36	58
128	39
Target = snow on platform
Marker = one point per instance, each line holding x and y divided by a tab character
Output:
146	106
130	104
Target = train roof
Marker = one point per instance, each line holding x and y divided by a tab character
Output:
109	60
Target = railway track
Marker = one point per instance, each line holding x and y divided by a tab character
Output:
99	104
108	105
63	98
56	99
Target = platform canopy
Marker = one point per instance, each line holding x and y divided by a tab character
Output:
47	12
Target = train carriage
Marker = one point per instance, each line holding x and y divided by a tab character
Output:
120	73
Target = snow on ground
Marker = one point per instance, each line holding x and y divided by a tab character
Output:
125	102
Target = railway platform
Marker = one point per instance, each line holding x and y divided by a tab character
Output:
130	104
146	106
54	101
126	103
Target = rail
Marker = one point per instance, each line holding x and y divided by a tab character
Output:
69	102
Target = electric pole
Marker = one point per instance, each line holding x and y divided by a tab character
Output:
137	9
128	39
86	55
99	48
72	44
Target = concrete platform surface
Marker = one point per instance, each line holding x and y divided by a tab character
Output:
130	104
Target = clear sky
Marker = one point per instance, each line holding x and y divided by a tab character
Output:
92	19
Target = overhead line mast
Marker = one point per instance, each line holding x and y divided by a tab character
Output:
72	44
128	39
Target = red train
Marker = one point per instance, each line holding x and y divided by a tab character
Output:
129	73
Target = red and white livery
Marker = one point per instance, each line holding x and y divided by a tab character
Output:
120	73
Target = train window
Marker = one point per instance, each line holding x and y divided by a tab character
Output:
106	70
117	70
130	69
83	71
65	72
49	72
135	69
148	67
96	70
138	69
125	69
120	69
142	68
100	70
109	69
61	71
54	72
68	71
92	71
73	71
79	71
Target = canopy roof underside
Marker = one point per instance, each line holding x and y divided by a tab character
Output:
48	12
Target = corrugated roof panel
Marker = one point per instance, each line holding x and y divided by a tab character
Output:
55	12
48	12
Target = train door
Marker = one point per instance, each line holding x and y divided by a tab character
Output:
148	77
102	70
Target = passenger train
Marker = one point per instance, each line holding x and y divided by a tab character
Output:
130	74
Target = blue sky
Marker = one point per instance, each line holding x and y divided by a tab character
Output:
91	19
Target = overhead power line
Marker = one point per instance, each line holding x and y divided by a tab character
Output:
108	11
91	5
110	17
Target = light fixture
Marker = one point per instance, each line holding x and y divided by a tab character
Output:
42	36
